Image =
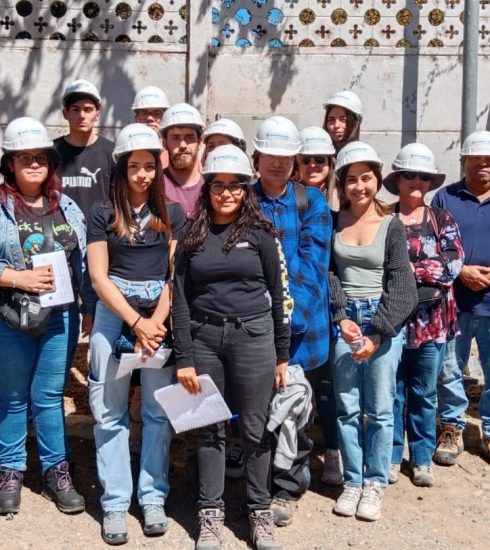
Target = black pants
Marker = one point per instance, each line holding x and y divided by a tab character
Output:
242	355
293	483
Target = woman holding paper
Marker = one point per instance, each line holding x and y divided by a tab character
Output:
231	311
34	368
130	243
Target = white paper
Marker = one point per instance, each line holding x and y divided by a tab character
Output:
63	293
188	411
131	361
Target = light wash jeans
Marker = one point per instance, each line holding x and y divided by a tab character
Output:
366	388
33	376
451	393
108	398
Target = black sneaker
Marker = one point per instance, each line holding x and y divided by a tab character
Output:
10	487
235	460
58	487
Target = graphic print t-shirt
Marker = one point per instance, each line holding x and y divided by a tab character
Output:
86	172
31	237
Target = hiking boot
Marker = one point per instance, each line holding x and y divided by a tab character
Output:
235	460
449	445
58	486
115	528
10	487
154	519
262	530
484	448
283	510
423	476
347	502
211	522
332	468
369	508
394	473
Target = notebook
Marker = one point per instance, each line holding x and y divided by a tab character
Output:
186	411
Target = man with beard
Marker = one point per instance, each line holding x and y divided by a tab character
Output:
468	201
182	129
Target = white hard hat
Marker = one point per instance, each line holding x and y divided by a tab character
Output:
150	97
136	137
357	151
476	144
182	114
84	87
315	141
348	100
227	159
225	127
279	136
414	157
25	133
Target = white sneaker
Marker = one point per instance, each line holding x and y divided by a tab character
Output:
347	502
394	473
369	508
332	468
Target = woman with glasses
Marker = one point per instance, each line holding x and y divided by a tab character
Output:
343	117
372	294
436	257
231	321
35	217
131	240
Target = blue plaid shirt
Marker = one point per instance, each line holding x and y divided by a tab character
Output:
306	245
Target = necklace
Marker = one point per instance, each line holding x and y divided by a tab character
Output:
30	198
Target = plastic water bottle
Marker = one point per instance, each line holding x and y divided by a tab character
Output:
356	346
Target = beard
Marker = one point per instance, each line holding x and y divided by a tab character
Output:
179	161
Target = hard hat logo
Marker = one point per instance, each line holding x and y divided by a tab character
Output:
476	144
227	159
136	137
316	141
25	133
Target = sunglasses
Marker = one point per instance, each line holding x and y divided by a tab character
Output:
26	159
421	175
235	187
319	159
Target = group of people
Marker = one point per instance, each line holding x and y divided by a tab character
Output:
282	276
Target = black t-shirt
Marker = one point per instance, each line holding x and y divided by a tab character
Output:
31	237
146	259
86	172
248	280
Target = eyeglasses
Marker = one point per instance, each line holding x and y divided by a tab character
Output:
319	159
157	115
234	187
26	159
421	175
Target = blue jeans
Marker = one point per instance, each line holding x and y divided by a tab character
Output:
452	398
415	403
33	378
366	388
108	398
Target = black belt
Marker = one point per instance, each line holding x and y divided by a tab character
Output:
222	321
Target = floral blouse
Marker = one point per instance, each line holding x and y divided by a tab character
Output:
436	261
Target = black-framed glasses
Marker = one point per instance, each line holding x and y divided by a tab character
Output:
156	114
234	187
421	175
26	159
319	159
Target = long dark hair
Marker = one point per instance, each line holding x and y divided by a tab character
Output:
123	221
249	217
50	188
382	209
352	130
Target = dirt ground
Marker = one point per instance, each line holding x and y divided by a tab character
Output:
454	514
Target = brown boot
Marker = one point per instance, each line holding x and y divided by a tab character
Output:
211	523
449	445
262	530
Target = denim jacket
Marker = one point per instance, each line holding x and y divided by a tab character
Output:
11	251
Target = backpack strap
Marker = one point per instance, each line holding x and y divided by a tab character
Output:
301	198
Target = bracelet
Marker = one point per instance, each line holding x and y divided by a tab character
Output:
136	322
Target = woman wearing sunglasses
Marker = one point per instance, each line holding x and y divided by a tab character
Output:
372	293
33	213
436	257
231	321
131	239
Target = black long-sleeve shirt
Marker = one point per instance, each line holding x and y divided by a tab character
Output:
248	280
